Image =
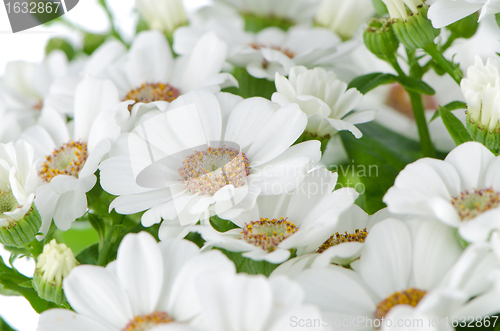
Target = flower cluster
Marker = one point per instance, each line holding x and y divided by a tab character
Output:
257	165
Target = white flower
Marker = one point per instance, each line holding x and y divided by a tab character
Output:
28	87
344	17
462	191
481	89
207	152
397	8
68	153
293	11
302	219
344	245
271	50
9	126
445	12
163	15
150	284
417	264
55	262
18	181
240	302
150	76
325	99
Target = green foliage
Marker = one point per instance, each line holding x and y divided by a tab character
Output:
60	44
92	41
256	23
250	266
250	86
366	83
455	127
4	326
454	105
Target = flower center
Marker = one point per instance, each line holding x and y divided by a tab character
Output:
283	50
147	93
410	297
266	233
337	238
147	322
208	171
38	105
399	100
7	202
470	204
69	159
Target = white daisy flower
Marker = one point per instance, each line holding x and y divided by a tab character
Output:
393	273
10	129
207	152
28	87
150	285
325	99
302	220
271	50
462	191
344	245
240	302
445	12
68	153
293	11
344	17
149	75
18	181
164	15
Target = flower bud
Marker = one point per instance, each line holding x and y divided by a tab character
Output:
163	15
21	232
380	39
416	31
52	266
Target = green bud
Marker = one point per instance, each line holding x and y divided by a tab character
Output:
466	27
22	232
489	138
52	266
380	38
416	31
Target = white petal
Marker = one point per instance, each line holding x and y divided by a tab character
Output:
70	206
66	320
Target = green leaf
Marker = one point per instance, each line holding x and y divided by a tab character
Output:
60	44
380	7
497	18
89	255
416	85
455	127
250	86
378	158
222	225
454	105
92	41
366	83
99	227
249	266
4	326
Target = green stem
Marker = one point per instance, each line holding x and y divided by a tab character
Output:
423	131
114	32
395	64
455	73
35	247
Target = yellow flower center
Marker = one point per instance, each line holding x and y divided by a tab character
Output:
69	159
208	171
148	322
147	93
358	236
409	297
267	233
471	204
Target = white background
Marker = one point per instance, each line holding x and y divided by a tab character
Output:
29	46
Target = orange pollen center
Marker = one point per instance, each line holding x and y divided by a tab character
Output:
147	322
358	236
409	297
283	50
147	93
267	233
471	204
69	159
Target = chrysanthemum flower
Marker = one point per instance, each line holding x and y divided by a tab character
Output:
67	159
302	219
150	285
207	153
462	191
393	274
325	99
